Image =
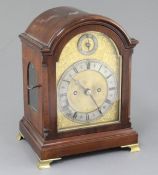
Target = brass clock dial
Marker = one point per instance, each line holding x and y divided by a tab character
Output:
88	82
86	90
87	44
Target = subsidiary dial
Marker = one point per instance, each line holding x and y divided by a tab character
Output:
87	44
86	90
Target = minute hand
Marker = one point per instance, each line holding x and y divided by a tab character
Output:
95	102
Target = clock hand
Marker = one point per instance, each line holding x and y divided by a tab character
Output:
95	103
78	83
87	92
88	43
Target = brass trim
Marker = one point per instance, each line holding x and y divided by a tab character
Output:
19	136
44	164
133	147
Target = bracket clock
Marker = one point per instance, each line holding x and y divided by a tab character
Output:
77	81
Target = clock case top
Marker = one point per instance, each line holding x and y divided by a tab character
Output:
42	44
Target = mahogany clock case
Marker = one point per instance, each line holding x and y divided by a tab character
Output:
42	44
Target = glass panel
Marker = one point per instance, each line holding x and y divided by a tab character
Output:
32	92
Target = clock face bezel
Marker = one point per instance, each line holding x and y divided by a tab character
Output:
107	102
125	96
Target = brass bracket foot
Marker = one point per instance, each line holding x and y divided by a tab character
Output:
134	147
43	164
19	136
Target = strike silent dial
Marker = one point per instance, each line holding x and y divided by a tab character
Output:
87	44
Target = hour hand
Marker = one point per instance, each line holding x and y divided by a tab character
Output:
79	84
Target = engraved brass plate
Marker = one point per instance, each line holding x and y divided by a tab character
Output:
106	52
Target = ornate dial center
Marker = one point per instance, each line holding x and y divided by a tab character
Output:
86	90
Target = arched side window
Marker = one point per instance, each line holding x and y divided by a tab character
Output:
32	87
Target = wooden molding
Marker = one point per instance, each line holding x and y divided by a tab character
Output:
78	144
